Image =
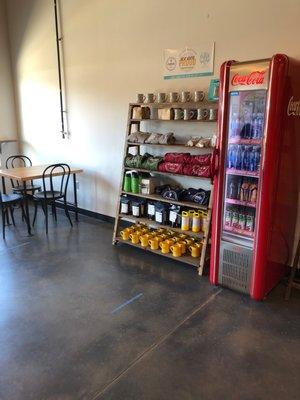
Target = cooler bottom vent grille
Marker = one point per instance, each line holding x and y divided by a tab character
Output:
235	269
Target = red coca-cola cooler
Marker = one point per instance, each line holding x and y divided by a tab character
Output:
257	174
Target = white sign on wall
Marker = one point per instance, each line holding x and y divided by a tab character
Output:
189	62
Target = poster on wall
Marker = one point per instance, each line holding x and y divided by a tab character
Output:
189	62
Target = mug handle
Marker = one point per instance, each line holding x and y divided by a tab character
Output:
205	113
193	113
172	248
188	97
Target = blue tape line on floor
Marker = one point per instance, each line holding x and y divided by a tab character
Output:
127	302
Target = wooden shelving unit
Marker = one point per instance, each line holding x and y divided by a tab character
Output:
196	262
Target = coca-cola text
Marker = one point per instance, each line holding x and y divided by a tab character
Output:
254	78
293	107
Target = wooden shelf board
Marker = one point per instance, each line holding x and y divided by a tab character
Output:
171	120
171	145
154	224
195	104
156	197
184	259
165	173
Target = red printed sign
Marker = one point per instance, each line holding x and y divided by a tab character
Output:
254	78
249	76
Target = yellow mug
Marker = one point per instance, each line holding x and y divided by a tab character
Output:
176	238
183	246
176	250
154	243
159	238
163	236
170	241
160	230
125	234
183	236
144	240
165	247
135	237
189	241
195	249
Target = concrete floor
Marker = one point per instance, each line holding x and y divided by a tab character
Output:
65	332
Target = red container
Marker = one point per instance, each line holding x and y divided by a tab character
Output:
259	140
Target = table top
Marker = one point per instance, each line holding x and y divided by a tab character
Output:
34	172
7	140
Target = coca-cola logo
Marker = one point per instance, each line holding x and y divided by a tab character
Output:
254	78
293	107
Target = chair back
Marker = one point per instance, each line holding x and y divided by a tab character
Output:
16	161
61	173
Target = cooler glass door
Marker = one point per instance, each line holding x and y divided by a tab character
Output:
242	172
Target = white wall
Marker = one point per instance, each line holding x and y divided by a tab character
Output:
113	49
8	128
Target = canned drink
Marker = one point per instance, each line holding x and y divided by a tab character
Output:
249	223
242	221
228	217
235	219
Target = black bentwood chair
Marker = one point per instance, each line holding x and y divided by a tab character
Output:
7	204
61	174
16	161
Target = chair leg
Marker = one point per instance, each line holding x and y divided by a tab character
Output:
23	212
67	212
54	211
7	217
12	215
46	216
35	212
3	223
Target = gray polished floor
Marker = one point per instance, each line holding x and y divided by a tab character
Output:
80	319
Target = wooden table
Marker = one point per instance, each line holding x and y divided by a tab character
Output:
24	174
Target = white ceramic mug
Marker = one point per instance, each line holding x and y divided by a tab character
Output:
173	97
161	97
202	114
213	114
140	98
185	97
150	98
178	113
198	96
189	114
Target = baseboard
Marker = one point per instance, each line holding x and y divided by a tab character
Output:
89	213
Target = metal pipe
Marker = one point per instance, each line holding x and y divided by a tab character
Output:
59	68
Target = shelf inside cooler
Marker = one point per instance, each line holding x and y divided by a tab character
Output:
251	142
233	171
241	232
240	203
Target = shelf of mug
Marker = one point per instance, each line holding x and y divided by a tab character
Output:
156	197
240	203
194	261
171	145
188	104
241	232
171	120
155	225
165	173
241	172
245	141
